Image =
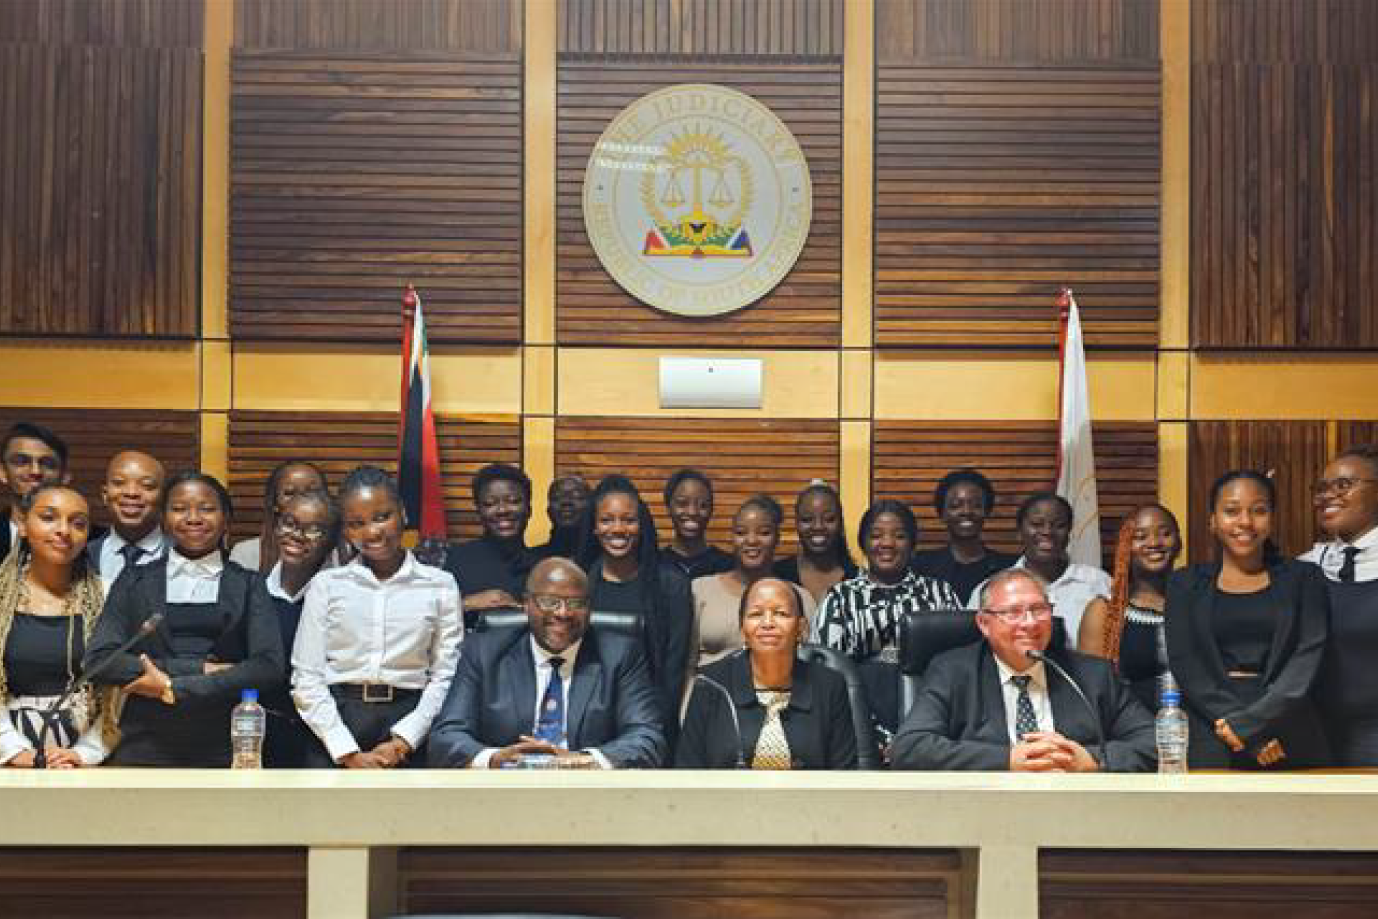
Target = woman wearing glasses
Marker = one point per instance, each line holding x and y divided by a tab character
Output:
1346	501
1245	637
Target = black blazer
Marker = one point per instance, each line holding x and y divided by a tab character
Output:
492	700
1298	593
250	638
959	722
6	544
818	722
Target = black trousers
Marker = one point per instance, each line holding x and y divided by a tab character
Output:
371	724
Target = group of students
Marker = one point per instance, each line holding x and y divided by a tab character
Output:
353	642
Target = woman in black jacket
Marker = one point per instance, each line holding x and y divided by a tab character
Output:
1245	638
764	708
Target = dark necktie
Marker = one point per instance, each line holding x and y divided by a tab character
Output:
1347	569
1025	721
131	553
550	724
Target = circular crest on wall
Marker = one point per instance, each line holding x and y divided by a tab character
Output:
697	199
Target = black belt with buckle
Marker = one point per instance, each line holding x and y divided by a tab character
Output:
372	692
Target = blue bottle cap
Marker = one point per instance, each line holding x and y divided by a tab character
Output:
248	695
1172	698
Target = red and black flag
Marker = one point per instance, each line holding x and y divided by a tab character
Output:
418	453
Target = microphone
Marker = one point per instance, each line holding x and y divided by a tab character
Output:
1095	715
731	710
145	629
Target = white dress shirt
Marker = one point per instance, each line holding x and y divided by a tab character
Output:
1069	594
273	582
112	562
403	632
1038	695
193	580
1331	555
544	670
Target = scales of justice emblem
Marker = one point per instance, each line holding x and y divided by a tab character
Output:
697	199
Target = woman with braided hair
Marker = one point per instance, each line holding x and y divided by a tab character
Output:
50	599
1128	629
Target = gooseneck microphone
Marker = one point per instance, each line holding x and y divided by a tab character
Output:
731	710
1091	709
146	628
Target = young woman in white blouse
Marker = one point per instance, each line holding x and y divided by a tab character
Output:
378	641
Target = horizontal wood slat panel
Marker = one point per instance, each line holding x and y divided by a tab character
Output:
339	441
1356	433
369	25
1019	458
996	186
353	175
683	883
100	197
125	23
743	457
93	436
1048	31
146	882
803	311
1284	206
755	27
1295	452
1316	31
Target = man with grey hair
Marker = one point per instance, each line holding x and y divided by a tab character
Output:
552	689
995	706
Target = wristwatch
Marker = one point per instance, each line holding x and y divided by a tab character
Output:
168	697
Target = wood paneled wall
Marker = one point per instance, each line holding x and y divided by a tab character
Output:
379	25
123	23
339	441
742	457
1294	452
354	174
93	436
100	166
804	310
1019	458
701	27
1284	151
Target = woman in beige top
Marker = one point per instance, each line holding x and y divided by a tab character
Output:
718	597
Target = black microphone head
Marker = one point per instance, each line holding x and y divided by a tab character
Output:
1033	655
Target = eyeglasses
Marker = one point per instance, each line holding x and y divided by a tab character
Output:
547	603
1014	615
23	460
312	532
1341	486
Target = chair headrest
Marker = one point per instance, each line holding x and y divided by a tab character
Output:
923	636
617	622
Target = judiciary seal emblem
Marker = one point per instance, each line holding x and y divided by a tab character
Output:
697	199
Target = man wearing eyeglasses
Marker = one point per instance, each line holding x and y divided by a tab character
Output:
991	707
554	691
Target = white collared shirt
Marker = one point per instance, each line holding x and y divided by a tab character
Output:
193	580
1331	555
275	589
1070	594
544	671
403	632
1038	695
112	562
14	535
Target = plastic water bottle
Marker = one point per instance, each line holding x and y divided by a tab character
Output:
247	725
1170	727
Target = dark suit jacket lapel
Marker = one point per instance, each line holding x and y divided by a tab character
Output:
1202	613
151	595
588	676
751	716
92	553
1070	717
518	681
232	597
989	707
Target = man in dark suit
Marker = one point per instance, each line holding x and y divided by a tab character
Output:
133	494
552	688
30	456
990	707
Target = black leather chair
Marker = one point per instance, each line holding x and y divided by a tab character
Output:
867	755
923	636
628	624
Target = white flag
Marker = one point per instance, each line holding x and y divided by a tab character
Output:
1076	474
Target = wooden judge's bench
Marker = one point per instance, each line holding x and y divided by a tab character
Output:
687	845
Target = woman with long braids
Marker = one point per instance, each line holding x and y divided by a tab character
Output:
50	599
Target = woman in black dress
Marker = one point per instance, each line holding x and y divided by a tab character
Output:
50	598
217	635
1128	628
823	558
1245	638
627	574
689	501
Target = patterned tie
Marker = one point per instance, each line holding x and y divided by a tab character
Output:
772	749
131	553
1347	569
1025	721
550	726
